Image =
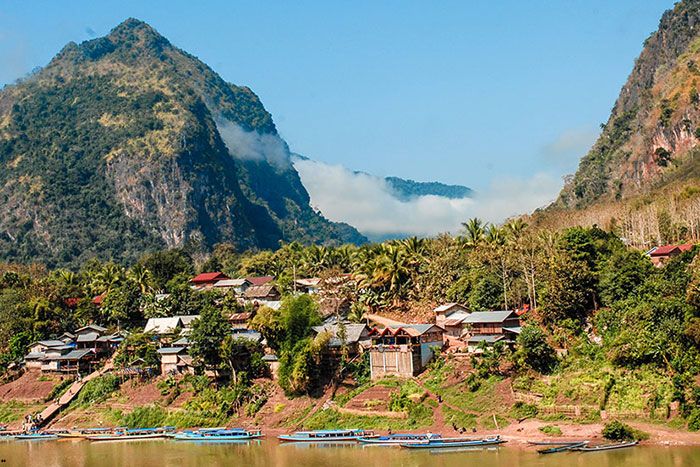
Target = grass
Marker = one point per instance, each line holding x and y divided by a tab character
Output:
458	418
551	430
330	418
12	411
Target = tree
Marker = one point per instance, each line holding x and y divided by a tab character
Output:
534	351
474	231
299	315
207	336
242	357
269	323
623	274
166	265
122	305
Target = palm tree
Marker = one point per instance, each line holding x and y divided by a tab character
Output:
474	231
142	277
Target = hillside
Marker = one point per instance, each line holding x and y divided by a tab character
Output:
644	166
409	189
125	143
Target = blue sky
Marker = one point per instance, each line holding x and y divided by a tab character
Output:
463	92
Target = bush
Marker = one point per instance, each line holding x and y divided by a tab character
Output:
148	416
694	420
551	430
97	390
521	410
618	431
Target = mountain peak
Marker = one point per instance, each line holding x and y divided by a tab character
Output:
132	28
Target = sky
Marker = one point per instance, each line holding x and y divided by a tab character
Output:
501	96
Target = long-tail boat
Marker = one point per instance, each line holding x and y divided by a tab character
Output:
563	447
36	436
454	443
606	447
218	434
326	436
133	434
398	438
81	433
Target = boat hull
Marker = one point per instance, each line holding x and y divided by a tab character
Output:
216	437
127	437
452	444
606	447
291	438
36	437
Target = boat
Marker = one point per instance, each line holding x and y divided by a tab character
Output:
454	443
606	447
563	447
325	436
36	436
218	434
553	443
135	434
82	433
398	438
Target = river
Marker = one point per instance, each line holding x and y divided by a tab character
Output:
270	453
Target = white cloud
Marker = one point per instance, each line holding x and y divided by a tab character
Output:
252	145
569	146
366	202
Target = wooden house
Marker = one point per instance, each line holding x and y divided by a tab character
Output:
490	322
262	294
207	280
403	351
450	317
175	360
237	286
356	337
660	255
309	286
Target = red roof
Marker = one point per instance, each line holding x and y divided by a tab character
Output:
666	250
207	277
71	302
97	300
261	280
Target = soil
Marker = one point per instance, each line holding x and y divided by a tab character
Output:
30	387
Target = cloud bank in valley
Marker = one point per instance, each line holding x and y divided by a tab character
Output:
251	145
367	203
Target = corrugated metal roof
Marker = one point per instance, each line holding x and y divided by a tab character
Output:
170	350
163	325
488	316
76	354
482	338
89	337
514	329
354	333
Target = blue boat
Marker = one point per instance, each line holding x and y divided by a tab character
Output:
136	434
218	434
453	443
37	436
326	436
399	438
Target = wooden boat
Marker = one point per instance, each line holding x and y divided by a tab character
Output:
82	433
553	443
326	436
454	443
398	438
37	436
606	447
136	434
563	447
218	434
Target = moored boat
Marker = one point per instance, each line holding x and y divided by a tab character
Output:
563	447
81	433
454	443
133	434
554	443
606	447
325	436
218	434
398	438
37	436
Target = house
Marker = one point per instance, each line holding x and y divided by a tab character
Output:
175	360
260	280
238	286
490	322
206	280
450	317
274	363
240	320
39	351
660	255
75	361
101	345
308	286
356	337
169	325
403	351
475	342
262	293
248	334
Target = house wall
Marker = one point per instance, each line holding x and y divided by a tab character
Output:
426	353
391	362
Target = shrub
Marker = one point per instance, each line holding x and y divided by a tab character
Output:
618	431
97	390
522	410
551	430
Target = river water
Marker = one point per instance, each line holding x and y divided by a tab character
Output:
270	453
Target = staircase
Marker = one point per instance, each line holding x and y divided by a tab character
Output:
56	406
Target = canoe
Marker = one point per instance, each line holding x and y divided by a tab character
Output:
563	448
606	447
217	435
326	436
84	433
453	443
397	439
553	443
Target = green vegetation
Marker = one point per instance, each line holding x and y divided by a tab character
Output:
96	390
550	430
12	411
619	431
